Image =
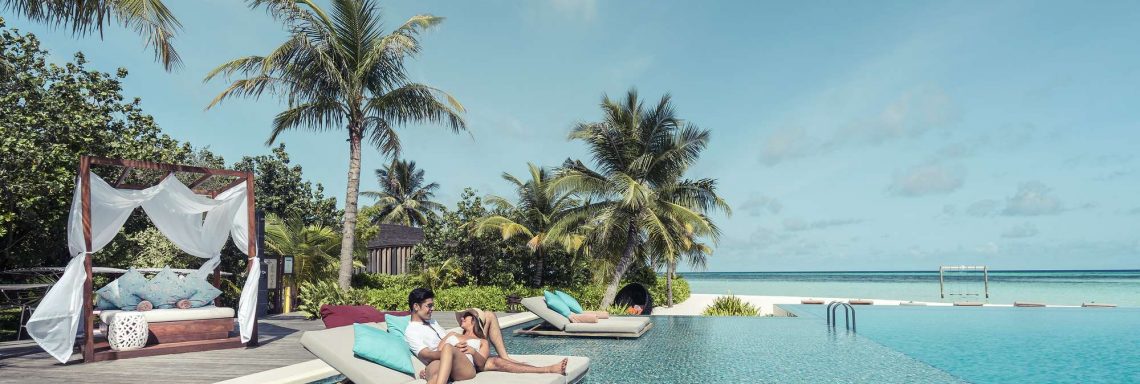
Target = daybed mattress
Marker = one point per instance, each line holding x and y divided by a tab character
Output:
164	315
334	346
610	325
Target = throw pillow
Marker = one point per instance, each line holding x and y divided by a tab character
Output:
341	315
375	345
570	302
556	304
103	304
397	325
130	284
204	291
164	290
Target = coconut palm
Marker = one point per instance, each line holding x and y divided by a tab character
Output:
531	217
403	198
689	249
149	18
640	155
311	246
338	71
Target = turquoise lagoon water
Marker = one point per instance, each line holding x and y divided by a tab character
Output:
1052	287
1005	344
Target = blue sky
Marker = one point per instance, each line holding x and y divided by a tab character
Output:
846	135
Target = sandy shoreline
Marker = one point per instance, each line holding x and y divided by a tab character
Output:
697	303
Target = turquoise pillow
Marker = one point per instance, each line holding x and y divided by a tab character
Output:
397	325
102	303
386	349
109	296
556	304
164	290
204	292
129	285
570	302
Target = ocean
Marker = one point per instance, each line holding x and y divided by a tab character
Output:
1005	287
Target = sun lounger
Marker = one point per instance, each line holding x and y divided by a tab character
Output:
334	347
811	301
912	304
1098	305
1027	304
968	304
554	324
861	302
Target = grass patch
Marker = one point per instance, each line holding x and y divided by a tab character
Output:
730	306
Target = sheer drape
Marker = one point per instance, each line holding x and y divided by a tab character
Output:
197	224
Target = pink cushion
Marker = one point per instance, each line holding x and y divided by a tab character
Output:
583	318
342	315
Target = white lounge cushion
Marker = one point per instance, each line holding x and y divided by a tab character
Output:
175	314
611	325
537	305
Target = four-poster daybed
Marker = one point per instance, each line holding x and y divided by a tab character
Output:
198	221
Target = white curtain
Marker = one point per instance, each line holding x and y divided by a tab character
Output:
177	212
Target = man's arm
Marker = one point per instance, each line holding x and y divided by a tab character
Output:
427	354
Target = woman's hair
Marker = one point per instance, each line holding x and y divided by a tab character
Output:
476	324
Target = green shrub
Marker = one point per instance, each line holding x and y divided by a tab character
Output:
730	306
381	281
680	291
313	295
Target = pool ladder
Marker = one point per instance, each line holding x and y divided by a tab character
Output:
848	314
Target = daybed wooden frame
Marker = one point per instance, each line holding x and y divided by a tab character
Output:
167	337
538	330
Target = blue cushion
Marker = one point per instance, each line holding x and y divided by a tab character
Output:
387	349
204	292
101	303
120	293
570	301
110	295
164	290
397	325
556	304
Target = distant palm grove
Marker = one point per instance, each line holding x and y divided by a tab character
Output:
628	211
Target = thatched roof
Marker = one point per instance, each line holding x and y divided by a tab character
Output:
392	235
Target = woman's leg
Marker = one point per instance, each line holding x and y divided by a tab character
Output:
461	368
504	365
443	369
495	336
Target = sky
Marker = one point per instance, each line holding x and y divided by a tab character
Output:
845	135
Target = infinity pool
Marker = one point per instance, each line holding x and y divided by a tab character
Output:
683	349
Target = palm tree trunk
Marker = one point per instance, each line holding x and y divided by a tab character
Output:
348	236
538	268
623	264
669	283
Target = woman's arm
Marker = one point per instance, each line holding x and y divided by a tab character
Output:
479	355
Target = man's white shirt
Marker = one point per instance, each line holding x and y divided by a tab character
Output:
420	336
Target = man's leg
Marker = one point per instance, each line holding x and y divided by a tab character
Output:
446	358
461	368
430	370
499	364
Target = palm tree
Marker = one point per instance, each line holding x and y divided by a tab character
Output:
149	18
640	155
690	249
403	198
532	217
338	71
311	246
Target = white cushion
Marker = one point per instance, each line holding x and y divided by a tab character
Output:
175	314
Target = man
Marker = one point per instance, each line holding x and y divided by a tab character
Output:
426	339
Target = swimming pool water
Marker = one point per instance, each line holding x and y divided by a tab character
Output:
683	349
1008	344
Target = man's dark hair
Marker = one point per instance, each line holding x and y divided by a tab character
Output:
418	296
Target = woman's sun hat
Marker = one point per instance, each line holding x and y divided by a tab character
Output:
480	321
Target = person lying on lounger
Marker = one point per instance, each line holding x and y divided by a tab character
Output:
425	337
474	343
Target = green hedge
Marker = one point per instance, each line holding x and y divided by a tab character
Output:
390	293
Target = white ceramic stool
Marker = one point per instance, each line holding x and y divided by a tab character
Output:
127	331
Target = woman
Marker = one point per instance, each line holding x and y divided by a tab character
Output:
473	342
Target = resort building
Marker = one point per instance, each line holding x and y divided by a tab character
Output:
390	251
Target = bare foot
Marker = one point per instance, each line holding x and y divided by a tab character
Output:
560	368
423	374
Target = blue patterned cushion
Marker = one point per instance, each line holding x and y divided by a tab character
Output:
204	292
164	290
128	285
101	303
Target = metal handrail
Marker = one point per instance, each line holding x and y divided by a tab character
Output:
848	315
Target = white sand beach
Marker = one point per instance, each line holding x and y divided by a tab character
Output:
697	303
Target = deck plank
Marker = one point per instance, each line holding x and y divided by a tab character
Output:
280	346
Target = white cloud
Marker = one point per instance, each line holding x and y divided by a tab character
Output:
928	179
794	224
989	248
756	205
983	208
1032	199
911	115
788	143
1021	231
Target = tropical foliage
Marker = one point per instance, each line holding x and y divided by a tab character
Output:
730	306
338	71
531	217
403	197
149	18
313	247
638	203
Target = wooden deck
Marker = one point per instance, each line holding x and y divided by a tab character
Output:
24	362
